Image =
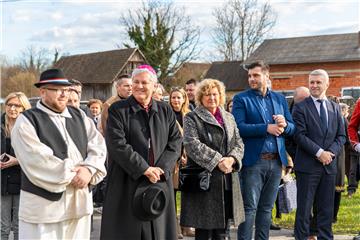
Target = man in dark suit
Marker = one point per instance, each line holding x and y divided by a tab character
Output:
319	136
263	119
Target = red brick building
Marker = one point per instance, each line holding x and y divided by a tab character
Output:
292	59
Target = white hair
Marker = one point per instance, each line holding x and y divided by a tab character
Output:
320	72
137	71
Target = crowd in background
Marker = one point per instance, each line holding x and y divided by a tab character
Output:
247	143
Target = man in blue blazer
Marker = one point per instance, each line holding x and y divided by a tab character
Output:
319	135
263	119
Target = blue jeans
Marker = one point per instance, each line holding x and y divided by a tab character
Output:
259	186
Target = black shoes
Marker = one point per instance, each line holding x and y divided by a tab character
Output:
276	227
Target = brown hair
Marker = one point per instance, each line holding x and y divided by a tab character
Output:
94	100
264	67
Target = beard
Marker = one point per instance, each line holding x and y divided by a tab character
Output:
56	106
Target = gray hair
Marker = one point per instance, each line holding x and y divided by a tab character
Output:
343	106
301	89
320	72
152	75
120	80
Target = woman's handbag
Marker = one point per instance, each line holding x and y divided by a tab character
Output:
287	196
194	179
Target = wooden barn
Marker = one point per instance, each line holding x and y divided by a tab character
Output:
98	71
231	73
187	71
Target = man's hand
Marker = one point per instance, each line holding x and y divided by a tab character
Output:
280	120
153	174
275	129
82	177
357	148
225	164
9	163
183	160
326	157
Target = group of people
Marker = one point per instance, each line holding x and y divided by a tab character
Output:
53	155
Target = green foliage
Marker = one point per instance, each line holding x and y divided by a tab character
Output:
155	43
163	33
348	217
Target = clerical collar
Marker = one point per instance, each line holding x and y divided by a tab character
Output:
146	108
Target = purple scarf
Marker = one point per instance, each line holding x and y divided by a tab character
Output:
218	117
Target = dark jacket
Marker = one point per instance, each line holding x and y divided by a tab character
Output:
206	142
309	137
10	177
128	131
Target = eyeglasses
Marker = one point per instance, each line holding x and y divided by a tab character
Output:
11	105
65	91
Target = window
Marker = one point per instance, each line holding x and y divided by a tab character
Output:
351	91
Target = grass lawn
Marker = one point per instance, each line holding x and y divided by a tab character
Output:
348	217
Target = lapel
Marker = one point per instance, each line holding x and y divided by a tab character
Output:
331	114
257	105
314	111
206	116
276	104
228	129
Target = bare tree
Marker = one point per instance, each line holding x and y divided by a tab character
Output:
225	34
241	26
164	33
34	60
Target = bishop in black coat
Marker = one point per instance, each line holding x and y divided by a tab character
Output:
130	131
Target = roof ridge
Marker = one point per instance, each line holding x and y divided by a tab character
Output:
93	53
312	36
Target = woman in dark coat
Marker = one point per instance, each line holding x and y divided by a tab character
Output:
143	143
212	141
179	103
15	103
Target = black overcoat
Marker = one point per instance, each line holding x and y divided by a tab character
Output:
129	128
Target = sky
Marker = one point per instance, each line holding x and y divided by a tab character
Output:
83	26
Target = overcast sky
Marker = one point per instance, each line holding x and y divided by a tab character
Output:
91	26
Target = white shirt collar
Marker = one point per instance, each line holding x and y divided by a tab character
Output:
315	99
65	113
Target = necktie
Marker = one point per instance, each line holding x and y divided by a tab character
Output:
322	116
